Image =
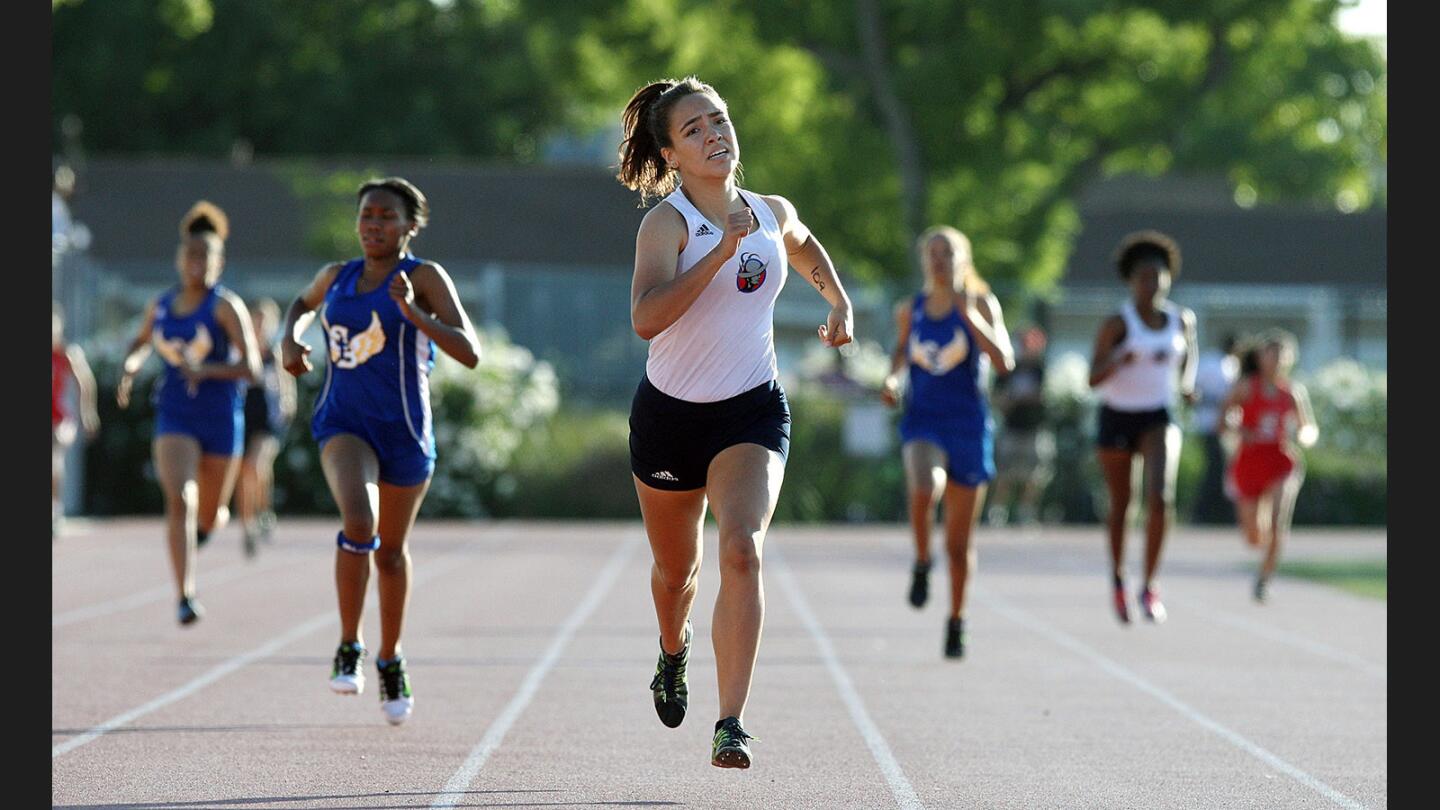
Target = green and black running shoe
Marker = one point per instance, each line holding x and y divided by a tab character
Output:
955	638
731	748
920	584
396	699
347	677
671	693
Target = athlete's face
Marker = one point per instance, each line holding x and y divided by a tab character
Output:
703	142
1269	360
382	224
943	262
57	329
1150	282
199	260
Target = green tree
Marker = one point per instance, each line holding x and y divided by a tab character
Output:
876	117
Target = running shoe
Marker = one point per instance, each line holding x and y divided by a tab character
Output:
190	610
920	584
1150	605
347	677
1122	603
1262	589
267	525
395	697
731	747
250	543
201	538
955	638
672	694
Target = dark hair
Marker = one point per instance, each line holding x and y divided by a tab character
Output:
1250	360
646	130
417	208
205	217
1229	343
1143	245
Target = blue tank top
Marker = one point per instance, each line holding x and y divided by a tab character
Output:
379	363
944	371
191	339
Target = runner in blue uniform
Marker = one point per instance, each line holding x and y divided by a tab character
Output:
382	315
945	335
202	331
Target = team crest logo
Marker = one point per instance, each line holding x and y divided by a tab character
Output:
751	273
181	352
349	351
937	359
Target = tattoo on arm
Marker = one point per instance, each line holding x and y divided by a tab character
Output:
815	276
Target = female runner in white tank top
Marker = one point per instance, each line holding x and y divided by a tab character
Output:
1142	356
710	422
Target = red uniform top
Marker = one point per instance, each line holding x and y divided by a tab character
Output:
1264	457
59	377
1263	419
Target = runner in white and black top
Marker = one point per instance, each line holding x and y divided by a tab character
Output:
1142	356
710	422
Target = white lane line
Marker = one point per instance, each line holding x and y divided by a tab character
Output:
159	594
195	685
903	791
454	789
1014	614
311	625
1276	634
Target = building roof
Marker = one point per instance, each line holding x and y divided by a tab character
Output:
1220	242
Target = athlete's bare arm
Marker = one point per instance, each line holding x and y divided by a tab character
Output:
135	356
1105	360
1189	365
294	355
890	389
85	382
427	298
809	258
1308	432
987	322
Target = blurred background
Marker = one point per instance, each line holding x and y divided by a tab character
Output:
1253	131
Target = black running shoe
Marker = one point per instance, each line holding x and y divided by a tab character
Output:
201	538
190	610
731	747
920	584
955	638
671	693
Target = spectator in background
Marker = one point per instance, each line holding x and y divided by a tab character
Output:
1214	377
1025	447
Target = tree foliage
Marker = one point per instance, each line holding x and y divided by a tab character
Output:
875	117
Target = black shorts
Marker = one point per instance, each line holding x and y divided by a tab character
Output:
1121	430
672	441
261	417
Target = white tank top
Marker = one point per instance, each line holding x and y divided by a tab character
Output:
1148	382
724	344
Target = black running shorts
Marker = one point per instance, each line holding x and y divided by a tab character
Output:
1121	430
672	441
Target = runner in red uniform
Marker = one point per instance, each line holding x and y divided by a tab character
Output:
67	363
1266	473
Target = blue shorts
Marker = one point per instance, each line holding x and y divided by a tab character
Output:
404	462
217	437
969	457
